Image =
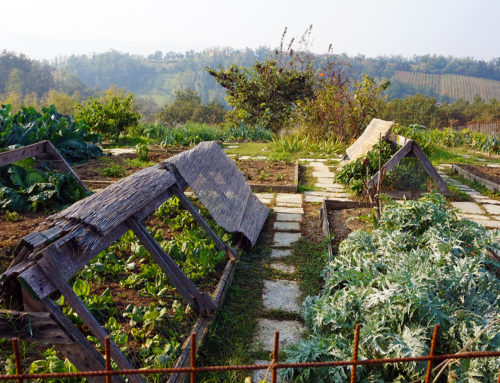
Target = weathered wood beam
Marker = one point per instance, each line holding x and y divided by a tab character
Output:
49	264
185	287
62	163
396	159
81	352
32	326
32	150
219	243
443	188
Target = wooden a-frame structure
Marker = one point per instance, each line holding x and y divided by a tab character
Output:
409	149
44	262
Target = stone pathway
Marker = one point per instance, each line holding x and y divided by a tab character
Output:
282	295
484	210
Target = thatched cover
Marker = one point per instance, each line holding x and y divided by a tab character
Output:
95	216
222	189
376	130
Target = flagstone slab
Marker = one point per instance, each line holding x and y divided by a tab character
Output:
468	207
288	198
472	217
488	223
314	198
290	332
286	226
264	195
289	217
283	239
491	201
492	209
291	210
323	174
281	295
279	253
284	268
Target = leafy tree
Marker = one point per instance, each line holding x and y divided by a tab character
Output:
187	107
110	115
265	95
64	103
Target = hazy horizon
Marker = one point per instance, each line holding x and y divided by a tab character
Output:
50	29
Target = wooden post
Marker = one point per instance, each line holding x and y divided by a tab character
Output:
185	287
221	245
50	267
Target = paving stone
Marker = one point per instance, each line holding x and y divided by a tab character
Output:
472	217
243	158
491	201
266	201
493	165
491	209
264	195
290	332
280	266
278	253
281	295
289	217
488	223
338	195
232	146
325	181
291	210
288	198
314	198
497	217
286	226
468	207
231	155
282	239
324	174
259	375
259	158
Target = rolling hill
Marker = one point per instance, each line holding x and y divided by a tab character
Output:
452	85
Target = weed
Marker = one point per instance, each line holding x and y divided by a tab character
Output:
115	171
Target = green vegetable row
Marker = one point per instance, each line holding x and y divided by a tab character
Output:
419	266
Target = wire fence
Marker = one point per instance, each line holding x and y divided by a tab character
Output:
271	369
485	127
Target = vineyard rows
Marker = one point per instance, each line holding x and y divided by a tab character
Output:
453	86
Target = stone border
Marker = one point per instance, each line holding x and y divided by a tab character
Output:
329	204
259	188
472	177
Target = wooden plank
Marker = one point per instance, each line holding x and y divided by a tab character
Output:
32	150
32	326
50	267
443	188
62	163
202	303
81	353
219	243
396	159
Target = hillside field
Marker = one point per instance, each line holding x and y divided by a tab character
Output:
452	85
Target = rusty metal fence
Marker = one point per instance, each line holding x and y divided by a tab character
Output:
271	368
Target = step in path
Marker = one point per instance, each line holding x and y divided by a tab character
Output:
282	295
484	210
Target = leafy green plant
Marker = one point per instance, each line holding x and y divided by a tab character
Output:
11	216
417	267
109	117
142	151
114	171
71	138
24	188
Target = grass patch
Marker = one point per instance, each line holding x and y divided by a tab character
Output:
310	259
458	195
137	163
230	338
306	179
455	156
249	149
114	171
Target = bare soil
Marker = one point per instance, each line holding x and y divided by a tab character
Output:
343	222
491	174
264	172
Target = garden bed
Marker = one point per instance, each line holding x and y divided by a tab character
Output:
487	176
340	218
262	175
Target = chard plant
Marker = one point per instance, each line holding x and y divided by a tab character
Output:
419	266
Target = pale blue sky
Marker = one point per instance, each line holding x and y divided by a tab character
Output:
50	28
